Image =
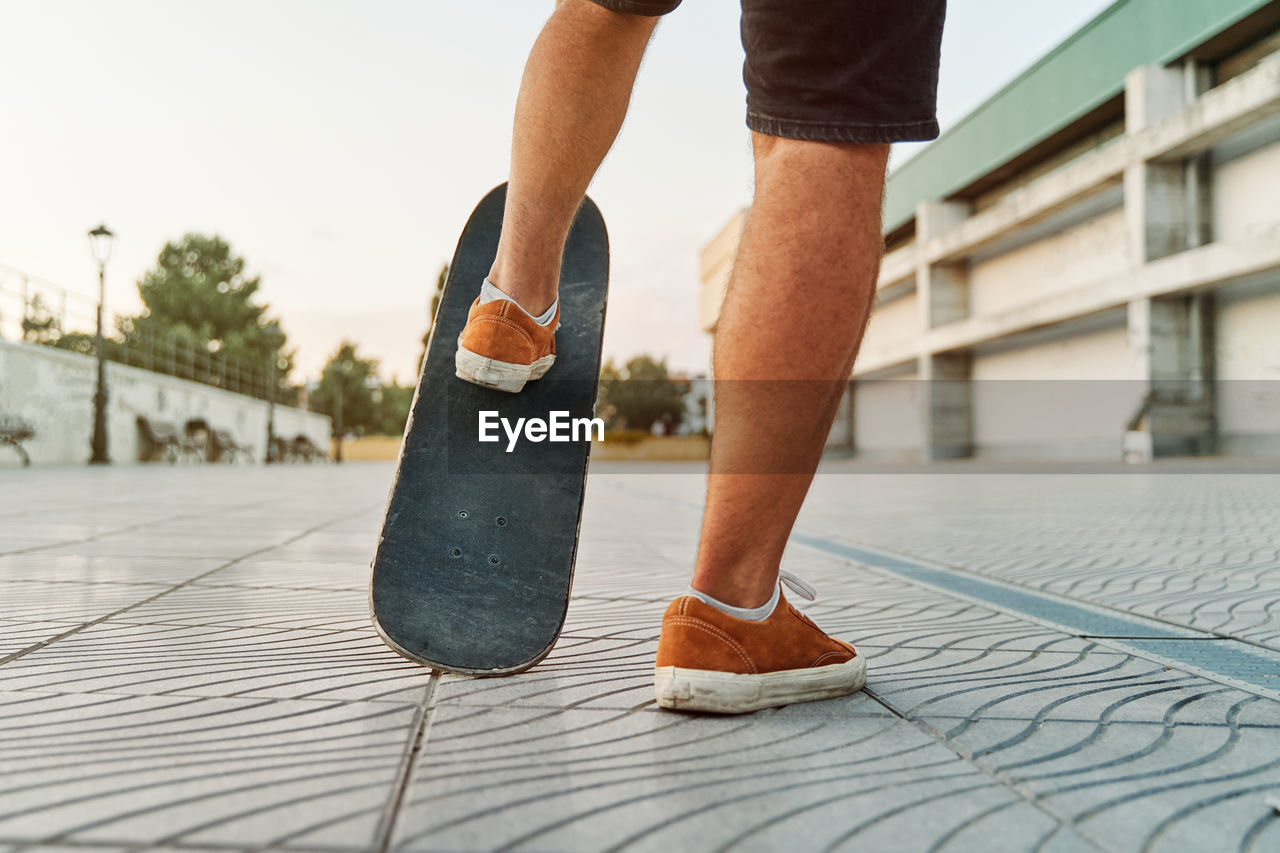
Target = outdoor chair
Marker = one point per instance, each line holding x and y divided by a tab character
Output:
13	432
160	441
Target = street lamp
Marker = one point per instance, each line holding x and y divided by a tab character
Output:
277	366
100	240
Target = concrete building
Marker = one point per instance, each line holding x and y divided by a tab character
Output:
1094	251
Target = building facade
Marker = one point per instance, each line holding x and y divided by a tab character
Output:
1093	254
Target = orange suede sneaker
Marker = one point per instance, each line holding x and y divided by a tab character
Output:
711	661
503	347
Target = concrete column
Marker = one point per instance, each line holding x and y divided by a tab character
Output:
1171	347
1197	80
946	400
1167	210
1155	194
942	288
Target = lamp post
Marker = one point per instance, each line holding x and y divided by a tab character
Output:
100	240
277	365
271	414
337	411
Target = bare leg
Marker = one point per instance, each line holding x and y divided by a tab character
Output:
798	302
573	98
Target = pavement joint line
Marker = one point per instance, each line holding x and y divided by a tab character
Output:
384	835
96	536
970	759
1211	639
173	588
1185	665
1041	607
1070	616
133	846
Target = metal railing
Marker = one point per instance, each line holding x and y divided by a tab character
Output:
38	311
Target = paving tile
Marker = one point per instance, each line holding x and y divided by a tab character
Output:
70	848
1145	544
12	545
579	672
62	529
1181	787
52	568
602	617
271	571
16	636
142	544
134	659
1050	686
71	602
233	606
255	708
577	780
173	770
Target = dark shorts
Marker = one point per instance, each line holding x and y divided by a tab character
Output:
835	70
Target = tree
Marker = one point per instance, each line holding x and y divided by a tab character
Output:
78	342
39	324
441	278
642	395
348	380
199	297
391	409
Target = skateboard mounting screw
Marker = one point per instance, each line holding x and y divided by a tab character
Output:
493	560
502	522
456	552
462	513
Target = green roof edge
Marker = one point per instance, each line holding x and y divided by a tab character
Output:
1055	91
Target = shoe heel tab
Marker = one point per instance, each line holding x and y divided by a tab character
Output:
679	607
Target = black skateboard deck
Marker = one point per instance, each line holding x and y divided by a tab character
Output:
475	559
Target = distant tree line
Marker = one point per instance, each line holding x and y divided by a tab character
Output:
203	320
641	397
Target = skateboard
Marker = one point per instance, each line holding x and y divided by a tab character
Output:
475	559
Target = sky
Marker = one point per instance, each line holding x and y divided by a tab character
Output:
339	146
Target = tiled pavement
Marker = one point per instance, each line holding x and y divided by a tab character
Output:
186	663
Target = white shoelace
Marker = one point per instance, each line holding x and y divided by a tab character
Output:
797	586
792	582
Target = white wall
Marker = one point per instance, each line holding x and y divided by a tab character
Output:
1245	206
1065	398
893	322
1097	354
887	418
1248	367
1091	250
53	390
841	435
1247	319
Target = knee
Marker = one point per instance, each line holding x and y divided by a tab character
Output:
766	148
823	162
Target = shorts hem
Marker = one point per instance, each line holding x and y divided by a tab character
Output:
648	8
862	132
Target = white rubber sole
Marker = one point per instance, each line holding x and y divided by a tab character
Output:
502	375
737	693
